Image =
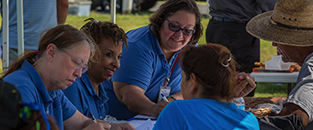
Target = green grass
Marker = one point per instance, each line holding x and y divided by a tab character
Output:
125	21
271	90
132	21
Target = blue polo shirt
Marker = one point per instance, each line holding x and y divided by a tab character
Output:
82	94
33	90
208	114
144	65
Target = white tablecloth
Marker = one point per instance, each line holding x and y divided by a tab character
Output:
275	77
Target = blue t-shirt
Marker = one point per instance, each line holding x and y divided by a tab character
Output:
82	94
33	90
204	114
39	15
144	65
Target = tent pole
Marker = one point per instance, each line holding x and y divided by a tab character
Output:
113	11
5	34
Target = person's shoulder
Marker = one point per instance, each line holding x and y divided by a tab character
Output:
178	103
18	77
142	40
309	58
142	29
141	34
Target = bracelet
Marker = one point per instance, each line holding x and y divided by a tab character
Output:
173	98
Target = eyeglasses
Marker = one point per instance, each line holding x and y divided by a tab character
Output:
77	64
174	28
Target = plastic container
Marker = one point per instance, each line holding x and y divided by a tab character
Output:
240	102
276	63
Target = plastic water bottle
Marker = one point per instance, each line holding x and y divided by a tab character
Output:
240	102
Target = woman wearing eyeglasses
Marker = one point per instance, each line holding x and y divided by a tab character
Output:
87	93
149	59
62	56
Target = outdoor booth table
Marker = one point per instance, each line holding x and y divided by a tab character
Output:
267	77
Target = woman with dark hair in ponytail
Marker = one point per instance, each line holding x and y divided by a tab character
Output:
207	87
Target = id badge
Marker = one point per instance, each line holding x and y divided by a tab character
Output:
166	92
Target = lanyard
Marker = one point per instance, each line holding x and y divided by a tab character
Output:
167	80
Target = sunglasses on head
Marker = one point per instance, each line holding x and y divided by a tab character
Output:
175	28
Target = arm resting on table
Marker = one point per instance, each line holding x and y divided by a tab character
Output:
133	97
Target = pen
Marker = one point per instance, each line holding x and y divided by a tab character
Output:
163	97
93	118
248	82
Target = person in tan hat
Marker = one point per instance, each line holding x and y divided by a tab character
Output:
290	27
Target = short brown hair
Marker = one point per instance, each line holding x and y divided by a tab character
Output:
168	9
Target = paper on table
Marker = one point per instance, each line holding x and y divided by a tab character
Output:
143	125
144	117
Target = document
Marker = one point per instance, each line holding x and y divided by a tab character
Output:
143	124
144	117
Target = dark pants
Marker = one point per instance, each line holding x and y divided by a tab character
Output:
289	122
244	47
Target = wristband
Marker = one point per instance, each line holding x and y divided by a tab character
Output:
173	98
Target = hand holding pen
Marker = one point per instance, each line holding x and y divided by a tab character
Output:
163	97
93	118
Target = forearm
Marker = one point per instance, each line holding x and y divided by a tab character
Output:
77	121
87	123
133	97
62	8
139	103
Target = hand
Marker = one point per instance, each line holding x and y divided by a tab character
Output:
245	84
122	126
158	108
98	126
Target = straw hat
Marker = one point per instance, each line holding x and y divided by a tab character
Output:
290	23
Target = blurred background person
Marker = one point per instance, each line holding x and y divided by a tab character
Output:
14	115
227	27
38	16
